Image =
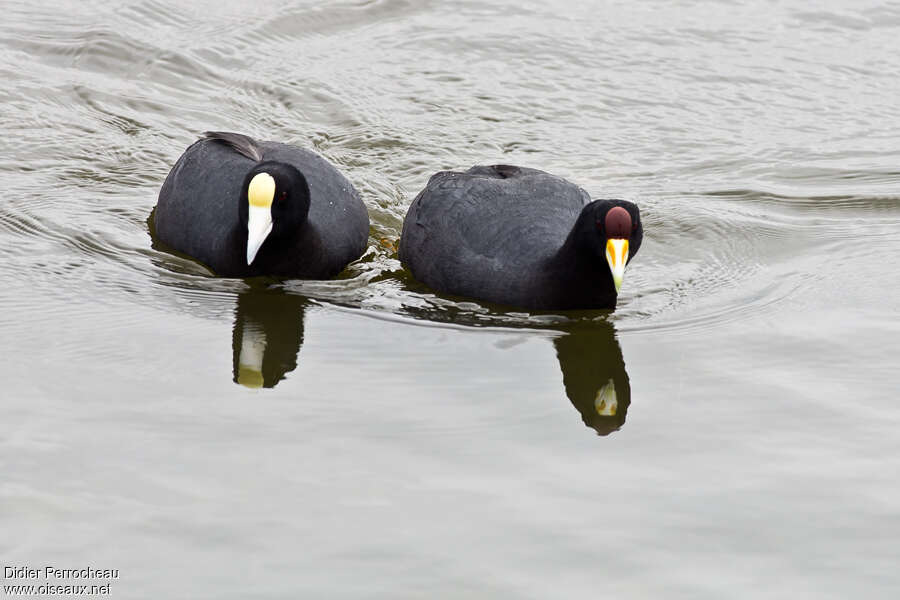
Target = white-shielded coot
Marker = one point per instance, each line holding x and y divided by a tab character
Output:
246	208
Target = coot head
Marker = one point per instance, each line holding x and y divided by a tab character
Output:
611	230
274	204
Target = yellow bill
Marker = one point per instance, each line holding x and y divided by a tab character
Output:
250	359
606	404
260	194
617	256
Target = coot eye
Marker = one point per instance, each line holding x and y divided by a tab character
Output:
283	195
599	224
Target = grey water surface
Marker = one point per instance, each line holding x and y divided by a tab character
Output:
732	430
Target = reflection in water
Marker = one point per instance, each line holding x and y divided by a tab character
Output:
594	375
589	355
268	333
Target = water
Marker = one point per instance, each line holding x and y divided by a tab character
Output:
393	443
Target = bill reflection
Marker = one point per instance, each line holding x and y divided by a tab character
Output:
268	333
594	375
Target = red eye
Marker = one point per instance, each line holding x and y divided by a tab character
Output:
283	195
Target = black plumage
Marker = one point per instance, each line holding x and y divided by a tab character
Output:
319	222
514	236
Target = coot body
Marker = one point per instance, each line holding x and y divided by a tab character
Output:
245	208
520	237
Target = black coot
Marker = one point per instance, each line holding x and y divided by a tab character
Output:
247	208
520	237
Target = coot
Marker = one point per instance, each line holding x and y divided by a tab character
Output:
520	237
246	208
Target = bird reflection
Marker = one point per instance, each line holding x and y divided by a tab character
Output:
594	375
268	333
593	370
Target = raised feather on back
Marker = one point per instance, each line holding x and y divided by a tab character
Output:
241	143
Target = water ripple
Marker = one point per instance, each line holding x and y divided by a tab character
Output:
755	224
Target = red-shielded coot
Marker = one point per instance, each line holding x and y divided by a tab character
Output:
520	237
